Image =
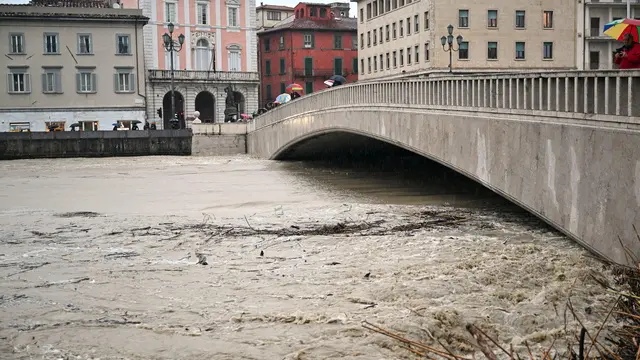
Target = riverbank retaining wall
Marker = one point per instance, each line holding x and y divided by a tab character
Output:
219	139
30	145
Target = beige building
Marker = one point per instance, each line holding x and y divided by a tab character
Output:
404	36
68	65
595	48
267	16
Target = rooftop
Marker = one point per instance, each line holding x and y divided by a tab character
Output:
78	10
274	7
340	24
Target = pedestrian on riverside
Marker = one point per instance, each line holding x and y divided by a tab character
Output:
628	56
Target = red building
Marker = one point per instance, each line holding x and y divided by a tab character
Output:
320	40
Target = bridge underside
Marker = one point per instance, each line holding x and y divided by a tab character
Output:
584	181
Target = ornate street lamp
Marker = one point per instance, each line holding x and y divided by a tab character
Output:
172	46
448	40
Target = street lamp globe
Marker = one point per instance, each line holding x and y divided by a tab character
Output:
171	27
450	29
459	39
450	39
443	40
181	39
166	38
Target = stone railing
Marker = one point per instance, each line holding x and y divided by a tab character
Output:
575	95
231	76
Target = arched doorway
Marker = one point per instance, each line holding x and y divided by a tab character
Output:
239	99
206	105
166	109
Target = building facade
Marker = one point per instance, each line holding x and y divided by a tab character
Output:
268	16
403	36
596	49
67	65
220	50
308	49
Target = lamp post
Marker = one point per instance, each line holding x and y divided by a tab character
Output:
448	40
172	46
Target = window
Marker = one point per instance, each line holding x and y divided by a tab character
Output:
337	66
492	50
337	41
88	125
308	41
368	11
492	18
416	53
355	65
361	15
381	62
408	26
203	55
235	58
369	65
463	52
426	51
51	81
308	87
395	60
233	21
547	50
267	44
84	44
362	41
274	15
202	9
170	12
18	81
281	42
520	24
16	44
393	26
354	42
54	126
268	93
388	62
381	38
520	50
375	37
595	26
426	20
323	12
19	126
168	57
122	44
401	57
283	88
375	63
463	18
282	66
408	56
86	81
416	23
375	7
386	28
547	20
267	68
368	38
361	64
401	26
51	44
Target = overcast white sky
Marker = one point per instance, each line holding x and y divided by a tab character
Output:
291	3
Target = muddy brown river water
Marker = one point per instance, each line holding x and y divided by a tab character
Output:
99	260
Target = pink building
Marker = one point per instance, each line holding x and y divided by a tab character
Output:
220	49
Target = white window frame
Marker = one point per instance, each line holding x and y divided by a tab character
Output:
86	81
51	80
168	16
232	51
308	41
118	37
202	12
16	43
82	44
233	16
202	59
124	81
93	125
56	43
23	79
167	60
427	52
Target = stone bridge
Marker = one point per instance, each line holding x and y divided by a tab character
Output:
563	145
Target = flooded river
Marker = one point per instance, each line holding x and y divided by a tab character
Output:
236	258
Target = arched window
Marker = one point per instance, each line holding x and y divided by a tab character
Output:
235	58
203	56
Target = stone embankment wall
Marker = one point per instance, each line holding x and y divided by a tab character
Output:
219	139
94	144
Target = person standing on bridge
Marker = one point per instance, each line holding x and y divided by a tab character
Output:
628	56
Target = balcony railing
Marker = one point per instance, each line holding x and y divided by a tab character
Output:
594	32
204	75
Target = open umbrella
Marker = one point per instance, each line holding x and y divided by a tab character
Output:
136	122
283	98
294	87
338	80
617	29
329	83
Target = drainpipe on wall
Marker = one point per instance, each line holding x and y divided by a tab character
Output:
138	71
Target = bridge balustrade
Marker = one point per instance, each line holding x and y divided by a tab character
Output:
593	95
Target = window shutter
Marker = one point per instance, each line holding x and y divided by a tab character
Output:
78	82
79	45
58	85
44	82
94	82
313	41
132	79
27	83
116	87
9	83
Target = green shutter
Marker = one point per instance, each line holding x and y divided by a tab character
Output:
27	83
116	88
313	41
58	84
44	82
94	82
133	82
78	83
